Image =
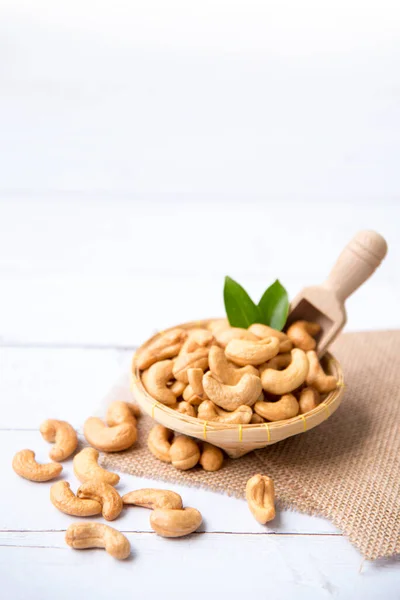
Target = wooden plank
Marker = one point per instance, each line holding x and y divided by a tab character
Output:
200	566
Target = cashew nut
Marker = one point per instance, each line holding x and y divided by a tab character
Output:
25	465
97	535
64	436
282	382
159	443
166	345
317	378
197	338
152	498
87	469
190	397
309	399
279	362
178	387
120	412
208	411
224	336
195	378
109	439
230	397
110	500
186	409
211	458
256	419
190	360
217	325
224	370
285	408
65	500
155	381
263	331
184	453
169	522
302	333
245	352
260	496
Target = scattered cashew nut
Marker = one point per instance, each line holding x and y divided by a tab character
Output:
166	345
309	399
208	411
175	523
285	408
230	397
246	352
25	465
302	333
159	443
317	377
224	370
184	453
109	439
155	380
110	500
121	412
86	468
282	382
65	500
153	498
97	535
260	496
211	458
64	436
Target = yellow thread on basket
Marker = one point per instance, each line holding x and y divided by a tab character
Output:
341	384
205	430
240	433
304	422
152	409
268	432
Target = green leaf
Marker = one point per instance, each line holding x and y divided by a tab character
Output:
240	308
274	306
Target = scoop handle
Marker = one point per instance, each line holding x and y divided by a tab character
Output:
359	259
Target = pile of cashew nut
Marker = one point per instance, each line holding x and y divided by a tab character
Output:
233	375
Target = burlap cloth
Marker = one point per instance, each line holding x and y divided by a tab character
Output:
347	469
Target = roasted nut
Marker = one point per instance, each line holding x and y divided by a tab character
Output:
260	496
198	359
159	443
109	439
317	378
256	419
166	345
285	408
309	399
152	498
282	382
230	397
224	336
178	387
190	397
263	331
197	338
225	371
186	409
217	325
86	468
120	412
155	380
245	352
110	500
65	500
184	453
175	523
195	378
279	362
302	333
64	436
97	535
25	465
211	458
208	411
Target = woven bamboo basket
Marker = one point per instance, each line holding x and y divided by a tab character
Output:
237	440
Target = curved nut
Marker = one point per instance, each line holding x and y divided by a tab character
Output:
87	469
208	411
301	334
211	458
110	500
184	453
217	325
166	345
224	336
224	370
195	378
25	465
120	412
263	331
158	442
65	500
152	498
285	408
279	362
190	397
64	437
197	338
245	352
230	397
309	399
256	419
155	381
109	439
175	523
178	387
186	409
198	359
97	535
282	382
260	496
317	378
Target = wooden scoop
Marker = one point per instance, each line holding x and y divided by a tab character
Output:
324	304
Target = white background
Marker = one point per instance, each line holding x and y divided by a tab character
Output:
147	149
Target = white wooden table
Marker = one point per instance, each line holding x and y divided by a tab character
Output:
147	149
